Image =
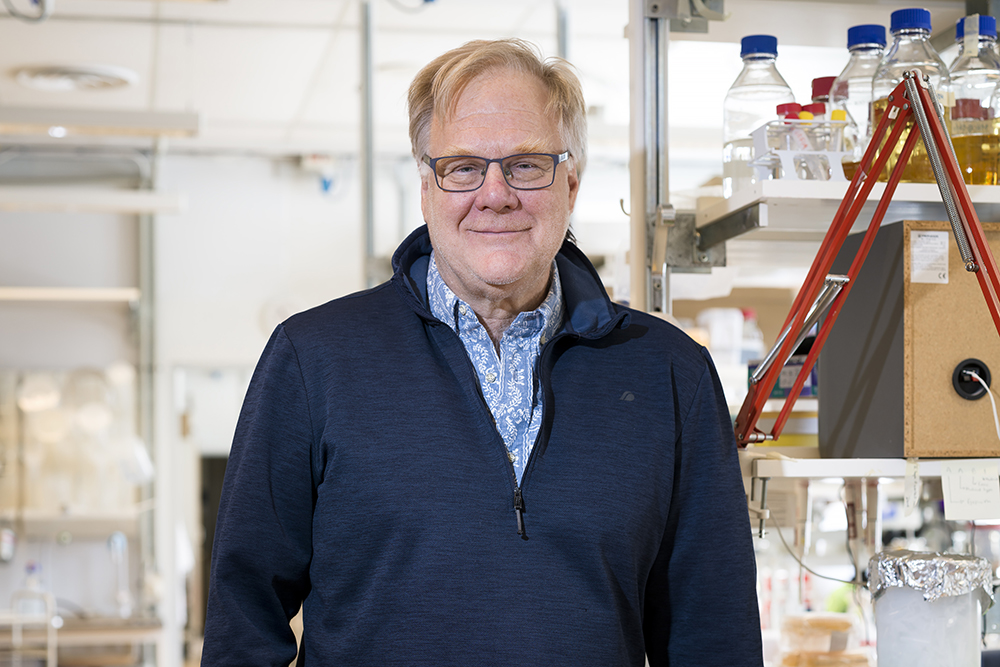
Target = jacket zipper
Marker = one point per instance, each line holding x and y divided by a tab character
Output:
518	494
519	512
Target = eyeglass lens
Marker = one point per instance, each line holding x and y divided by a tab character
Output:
528	171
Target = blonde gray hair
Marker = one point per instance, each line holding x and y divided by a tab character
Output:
436	89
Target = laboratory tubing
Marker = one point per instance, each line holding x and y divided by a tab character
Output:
750	103
974	77
911	49
852	89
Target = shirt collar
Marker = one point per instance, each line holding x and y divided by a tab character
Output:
445	305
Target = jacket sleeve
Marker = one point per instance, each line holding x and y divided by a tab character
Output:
701	601
263	538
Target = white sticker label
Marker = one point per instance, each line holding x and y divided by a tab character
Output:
788	376
971	490
929	257
911	486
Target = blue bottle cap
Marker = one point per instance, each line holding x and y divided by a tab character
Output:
908	19
987	26
866	34
763	44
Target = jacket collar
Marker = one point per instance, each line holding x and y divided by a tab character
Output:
589	311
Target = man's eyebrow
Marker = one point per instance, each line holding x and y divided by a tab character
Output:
530	147
453	150
527	147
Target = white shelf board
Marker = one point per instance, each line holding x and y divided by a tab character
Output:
88	200
818	468
801	211
79	294
42	524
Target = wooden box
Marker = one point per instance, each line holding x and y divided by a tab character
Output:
914	315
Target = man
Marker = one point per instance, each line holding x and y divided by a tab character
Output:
485	461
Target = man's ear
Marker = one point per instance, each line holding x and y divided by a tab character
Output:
574	186
425	193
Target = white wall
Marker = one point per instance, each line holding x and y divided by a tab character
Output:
259	239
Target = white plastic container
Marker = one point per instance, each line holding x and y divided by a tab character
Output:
929	607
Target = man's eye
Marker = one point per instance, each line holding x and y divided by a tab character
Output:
461	168
525	166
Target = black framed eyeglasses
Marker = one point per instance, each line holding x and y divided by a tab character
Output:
524	171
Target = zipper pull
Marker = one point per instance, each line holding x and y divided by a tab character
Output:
519	513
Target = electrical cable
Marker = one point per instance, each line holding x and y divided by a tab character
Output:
989	392
406	8
798	560
44	11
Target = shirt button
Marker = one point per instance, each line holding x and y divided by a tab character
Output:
463	310
491	377
510	455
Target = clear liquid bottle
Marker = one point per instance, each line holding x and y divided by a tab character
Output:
852	89
911	49
820	110
750	102
974	77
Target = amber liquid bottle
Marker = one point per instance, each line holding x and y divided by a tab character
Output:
974	77
910	50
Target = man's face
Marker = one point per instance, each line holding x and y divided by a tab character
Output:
496	236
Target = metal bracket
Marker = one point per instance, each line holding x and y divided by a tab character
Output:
661	9
686	15
761	512
733	225
684	252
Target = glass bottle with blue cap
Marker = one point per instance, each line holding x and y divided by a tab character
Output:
911	49
974	77
852	89
750	102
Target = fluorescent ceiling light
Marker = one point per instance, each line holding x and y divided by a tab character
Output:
95	122
68	78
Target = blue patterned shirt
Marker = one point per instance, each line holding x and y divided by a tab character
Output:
508	379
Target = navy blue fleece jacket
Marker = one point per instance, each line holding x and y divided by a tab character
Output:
368	483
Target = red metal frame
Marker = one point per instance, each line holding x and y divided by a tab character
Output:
897	113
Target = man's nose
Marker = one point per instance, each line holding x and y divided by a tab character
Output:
495	174
495	192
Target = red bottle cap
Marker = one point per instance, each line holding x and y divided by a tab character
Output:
821	87
816	109
789	109
969	108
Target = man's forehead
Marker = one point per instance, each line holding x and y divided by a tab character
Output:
506	111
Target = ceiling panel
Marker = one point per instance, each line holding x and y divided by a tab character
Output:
66	42
284	75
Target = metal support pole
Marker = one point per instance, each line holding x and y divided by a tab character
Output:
648	33
562	31
145	371
367	146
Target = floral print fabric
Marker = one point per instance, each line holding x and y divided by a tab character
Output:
507	377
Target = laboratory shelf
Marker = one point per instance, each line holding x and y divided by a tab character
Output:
45	525
88	200
78	294
801	211
757	463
